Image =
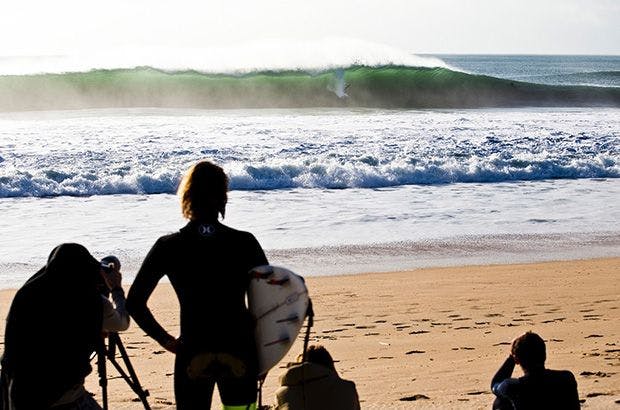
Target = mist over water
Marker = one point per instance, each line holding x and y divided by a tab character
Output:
275	55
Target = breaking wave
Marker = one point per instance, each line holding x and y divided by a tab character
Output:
364	172
388	86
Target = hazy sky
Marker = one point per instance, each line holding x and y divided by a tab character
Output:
29	27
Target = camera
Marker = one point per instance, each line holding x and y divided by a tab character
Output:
110	263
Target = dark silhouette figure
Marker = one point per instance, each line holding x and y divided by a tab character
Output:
208	265
539	388
315	385
54	326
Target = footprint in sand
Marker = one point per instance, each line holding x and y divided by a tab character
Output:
596	394
160	401
418	332
415	397
595	374
559	319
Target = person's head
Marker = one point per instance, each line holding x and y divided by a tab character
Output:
528	351
70	270
71	262
203	192
317	354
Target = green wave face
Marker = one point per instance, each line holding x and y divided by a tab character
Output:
358	86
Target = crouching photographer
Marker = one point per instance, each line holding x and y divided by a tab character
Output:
54	326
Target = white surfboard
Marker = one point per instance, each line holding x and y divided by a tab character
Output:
278	300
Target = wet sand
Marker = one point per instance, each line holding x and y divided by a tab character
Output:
430	338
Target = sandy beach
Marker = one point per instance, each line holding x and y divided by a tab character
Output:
430	338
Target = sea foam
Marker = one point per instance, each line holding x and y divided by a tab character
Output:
123	152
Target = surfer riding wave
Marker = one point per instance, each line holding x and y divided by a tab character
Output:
207	264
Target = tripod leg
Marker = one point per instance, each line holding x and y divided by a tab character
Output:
132	378
101	369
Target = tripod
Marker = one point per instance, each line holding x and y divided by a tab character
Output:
128	374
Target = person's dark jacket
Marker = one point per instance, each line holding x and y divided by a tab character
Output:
540	389
53	327
311	386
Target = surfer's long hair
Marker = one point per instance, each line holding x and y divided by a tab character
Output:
204	192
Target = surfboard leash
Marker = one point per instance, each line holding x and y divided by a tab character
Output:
310	316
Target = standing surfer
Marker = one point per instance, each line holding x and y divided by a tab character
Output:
207	264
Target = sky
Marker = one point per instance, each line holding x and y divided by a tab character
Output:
43	27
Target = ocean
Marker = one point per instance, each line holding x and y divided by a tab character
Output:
459	160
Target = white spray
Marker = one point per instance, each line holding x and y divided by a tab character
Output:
276	55
339	86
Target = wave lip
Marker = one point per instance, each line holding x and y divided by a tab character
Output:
389	86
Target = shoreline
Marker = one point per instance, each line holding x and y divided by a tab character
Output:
403	255
437	332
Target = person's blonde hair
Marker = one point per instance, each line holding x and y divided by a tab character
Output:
203	192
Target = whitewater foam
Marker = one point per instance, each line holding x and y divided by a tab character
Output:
124	152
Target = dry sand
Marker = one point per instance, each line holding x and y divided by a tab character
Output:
431	338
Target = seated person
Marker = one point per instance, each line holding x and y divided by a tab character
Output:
315	385
539	388
54	326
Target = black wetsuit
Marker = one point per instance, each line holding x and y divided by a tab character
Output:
542	389
208	265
